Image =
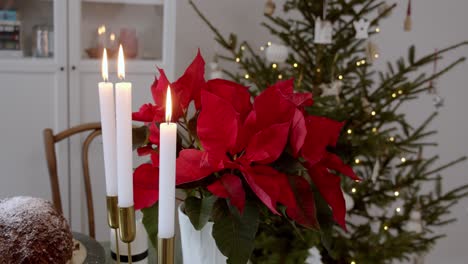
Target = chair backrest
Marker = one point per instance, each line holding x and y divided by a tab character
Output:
49	140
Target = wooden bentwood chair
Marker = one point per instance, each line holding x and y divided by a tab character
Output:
49	140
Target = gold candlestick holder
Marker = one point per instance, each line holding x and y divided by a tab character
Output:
166	250
113	220
127	227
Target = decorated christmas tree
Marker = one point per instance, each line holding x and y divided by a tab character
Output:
327	48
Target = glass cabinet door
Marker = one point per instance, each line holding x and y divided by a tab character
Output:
27	29
136	24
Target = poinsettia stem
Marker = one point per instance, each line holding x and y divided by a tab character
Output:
187	126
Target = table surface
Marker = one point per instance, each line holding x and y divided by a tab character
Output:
151	253
95	251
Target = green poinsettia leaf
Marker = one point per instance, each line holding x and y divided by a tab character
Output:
325	219
234	233
199	210
140	136
150	220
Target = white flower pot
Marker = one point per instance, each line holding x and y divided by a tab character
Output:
198	247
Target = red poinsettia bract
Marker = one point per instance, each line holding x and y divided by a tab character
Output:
241	140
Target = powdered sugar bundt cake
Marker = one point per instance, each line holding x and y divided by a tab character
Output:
31	231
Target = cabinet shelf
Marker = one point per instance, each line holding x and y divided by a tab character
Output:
133	2
131	66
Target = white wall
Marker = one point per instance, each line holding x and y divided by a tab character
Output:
436	24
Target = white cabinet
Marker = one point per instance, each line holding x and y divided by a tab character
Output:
61	91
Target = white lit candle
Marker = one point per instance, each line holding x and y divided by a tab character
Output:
167	167
123	103
107	107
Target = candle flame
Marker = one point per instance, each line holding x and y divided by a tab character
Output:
105	67
121	64
168	104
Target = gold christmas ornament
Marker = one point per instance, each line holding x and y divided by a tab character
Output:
372	51
270	7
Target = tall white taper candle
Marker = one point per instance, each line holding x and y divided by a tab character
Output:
167	171
107	108
123	102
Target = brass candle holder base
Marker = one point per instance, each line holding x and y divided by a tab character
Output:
127	227
113	220
112	211
166	250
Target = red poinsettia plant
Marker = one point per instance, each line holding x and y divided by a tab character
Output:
241	157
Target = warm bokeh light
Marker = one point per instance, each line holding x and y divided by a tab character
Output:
101	29
121	64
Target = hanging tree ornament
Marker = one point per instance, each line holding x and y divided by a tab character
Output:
332	89
415	222
277	53
314	256
349	201
366	106
408	23
375	226
437	100
375	170
323	28
372	51
270	7
361	27
323	31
